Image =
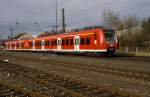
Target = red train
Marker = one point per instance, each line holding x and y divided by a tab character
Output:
91	40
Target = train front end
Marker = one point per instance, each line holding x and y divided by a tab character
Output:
111	42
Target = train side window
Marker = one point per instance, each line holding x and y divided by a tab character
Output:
47	43
55	42
35	43
17	45
52	43
63	42
95	36
82	41
71	41
30	44
88	41
13	45
67	42
39	43
22	45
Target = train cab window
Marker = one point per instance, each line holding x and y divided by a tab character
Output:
88	41
63	42
71	41
82	41
67	42
109	35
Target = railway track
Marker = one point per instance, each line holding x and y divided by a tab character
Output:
120	58
53	84
139	59
142	75
33	83
15	91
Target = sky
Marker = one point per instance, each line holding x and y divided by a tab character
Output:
35	16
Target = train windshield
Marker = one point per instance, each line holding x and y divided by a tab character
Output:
109	35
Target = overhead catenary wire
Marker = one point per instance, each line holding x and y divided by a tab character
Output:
37	17
31	16
77	16
77	21
84	12
4	3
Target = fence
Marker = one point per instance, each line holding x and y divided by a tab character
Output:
138	51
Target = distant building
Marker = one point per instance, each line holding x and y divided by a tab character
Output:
2	42
25	36
21	36
46	33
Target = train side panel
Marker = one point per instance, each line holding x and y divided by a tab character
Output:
94	40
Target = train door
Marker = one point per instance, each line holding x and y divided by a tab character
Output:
33	45
59	44
15	45
43	44
77	43
19	44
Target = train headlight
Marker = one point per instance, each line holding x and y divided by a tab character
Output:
95	41
111	45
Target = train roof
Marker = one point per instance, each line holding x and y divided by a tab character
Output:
69	33
72	32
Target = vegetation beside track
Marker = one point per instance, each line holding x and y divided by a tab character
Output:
133	54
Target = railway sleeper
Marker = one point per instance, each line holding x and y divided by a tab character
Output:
85	92
35	86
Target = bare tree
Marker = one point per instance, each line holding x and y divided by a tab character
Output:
129	37
112	20
130	22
